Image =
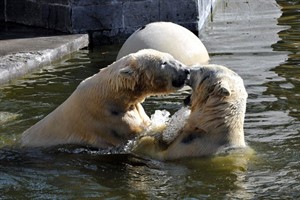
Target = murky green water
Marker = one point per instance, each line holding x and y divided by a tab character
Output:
261	44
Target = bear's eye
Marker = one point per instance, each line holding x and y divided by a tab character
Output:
164	63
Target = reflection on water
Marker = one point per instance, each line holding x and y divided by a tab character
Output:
244	36
271	78
290	70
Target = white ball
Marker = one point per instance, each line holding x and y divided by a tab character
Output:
167	37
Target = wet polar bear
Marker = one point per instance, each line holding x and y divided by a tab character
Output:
215	122
105	109
167	37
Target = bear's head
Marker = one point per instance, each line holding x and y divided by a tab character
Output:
150	71
215	85
218	105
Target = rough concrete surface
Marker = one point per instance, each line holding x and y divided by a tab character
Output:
19	56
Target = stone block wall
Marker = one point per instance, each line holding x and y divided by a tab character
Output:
2	10
106	21
53	14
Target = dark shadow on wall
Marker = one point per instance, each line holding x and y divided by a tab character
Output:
16	38
16	31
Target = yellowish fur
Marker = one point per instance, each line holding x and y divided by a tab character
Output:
105	109
218	105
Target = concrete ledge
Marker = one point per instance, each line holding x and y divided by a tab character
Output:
21	56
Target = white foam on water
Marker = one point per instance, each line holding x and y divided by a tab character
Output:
158	121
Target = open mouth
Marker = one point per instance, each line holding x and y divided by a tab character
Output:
187	100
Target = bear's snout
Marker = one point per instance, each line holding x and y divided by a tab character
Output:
187	71
182	76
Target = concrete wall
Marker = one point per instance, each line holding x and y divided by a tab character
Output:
106	21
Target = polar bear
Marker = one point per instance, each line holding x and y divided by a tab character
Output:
105	110
215	122
167	37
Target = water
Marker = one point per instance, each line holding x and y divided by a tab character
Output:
257	40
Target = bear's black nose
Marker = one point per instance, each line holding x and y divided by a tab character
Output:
187	71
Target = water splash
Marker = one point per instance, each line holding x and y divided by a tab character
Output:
158	121
169	127
70	149
162	124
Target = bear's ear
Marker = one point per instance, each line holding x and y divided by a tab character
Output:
130	63
224	90
126	71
